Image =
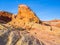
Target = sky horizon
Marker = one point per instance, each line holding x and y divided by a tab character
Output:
44	9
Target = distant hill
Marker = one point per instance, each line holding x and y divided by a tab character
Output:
53	23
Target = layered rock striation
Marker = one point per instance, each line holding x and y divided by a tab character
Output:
25	28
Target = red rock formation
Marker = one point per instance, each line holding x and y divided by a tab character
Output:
5	17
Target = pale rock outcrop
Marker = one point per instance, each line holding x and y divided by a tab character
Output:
17	37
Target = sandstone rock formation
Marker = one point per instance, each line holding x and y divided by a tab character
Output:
25	28
17	37
25	15
37	35
53	23
5	17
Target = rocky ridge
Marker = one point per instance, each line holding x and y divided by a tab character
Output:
25	28
4	16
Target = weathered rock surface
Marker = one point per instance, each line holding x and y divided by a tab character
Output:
25	15
17	37
36	35
25	28
5	17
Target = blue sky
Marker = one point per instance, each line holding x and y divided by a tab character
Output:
44	9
